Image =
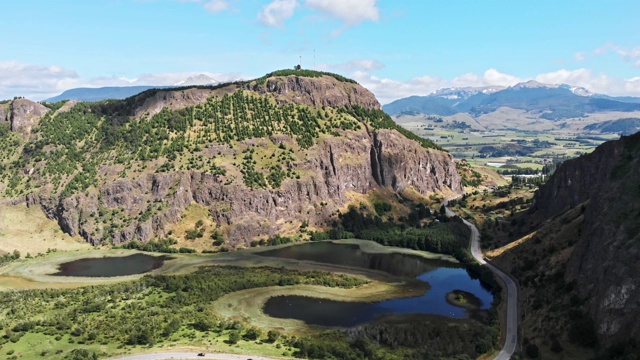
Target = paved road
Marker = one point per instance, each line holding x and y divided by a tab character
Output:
511	338
188	355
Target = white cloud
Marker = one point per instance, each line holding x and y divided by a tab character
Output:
38	82
216	5
213	6
579	56
33	81
494	77
276	12
387	90
627	54
350	12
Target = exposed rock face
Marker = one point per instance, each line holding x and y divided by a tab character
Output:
4	112
357	163
323	91
605	260
177	99
24	114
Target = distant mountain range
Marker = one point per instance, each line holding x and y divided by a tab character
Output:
551	102
123	92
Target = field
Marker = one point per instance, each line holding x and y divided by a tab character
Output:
525	147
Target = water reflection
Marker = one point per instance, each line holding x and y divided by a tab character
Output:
111	266
443	277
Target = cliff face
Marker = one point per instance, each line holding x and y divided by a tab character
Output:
604	261
356	163
24	114
4	113
322	91
260	168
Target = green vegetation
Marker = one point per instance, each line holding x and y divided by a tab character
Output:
148	311
6	258
444	236
161	245
303	73
378	119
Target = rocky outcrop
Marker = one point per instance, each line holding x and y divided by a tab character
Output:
24	114
357	162
321	91
176	99
4	113
604	261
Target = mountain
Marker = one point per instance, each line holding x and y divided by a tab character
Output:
123	92
550	102
253	158
103	93
201	79
578	267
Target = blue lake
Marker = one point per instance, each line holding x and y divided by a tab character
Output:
442	276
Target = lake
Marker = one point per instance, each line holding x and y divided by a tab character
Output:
443	277
111	266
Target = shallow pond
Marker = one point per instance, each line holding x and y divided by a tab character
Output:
111	266
352	256
443	277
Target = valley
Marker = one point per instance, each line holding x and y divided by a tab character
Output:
289	217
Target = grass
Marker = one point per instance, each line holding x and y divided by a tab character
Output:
34	345
28	230
247	305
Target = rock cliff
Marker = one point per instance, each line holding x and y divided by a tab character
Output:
262	157
322	91
356	163
24	114
604	261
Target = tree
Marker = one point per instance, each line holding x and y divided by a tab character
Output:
252	334
234	337
272	336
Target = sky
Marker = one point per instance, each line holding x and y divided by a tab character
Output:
395	48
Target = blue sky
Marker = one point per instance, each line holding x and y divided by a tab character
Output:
396	48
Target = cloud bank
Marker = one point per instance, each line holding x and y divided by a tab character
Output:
38	82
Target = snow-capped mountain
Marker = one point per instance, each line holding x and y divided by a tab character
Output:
464	92
200	79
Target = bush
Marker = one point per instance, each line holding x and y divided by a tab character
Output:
532	351
234	337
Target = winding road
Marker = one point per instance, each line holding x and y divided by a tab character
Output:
511	337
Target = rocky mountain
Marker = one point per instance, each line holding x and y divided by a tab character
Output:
263	157
578	266
550	102
21	114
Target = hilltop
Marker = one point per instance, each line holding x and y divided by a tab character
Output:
244	160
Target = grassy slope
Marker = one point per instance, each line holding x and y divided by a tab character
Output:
29	231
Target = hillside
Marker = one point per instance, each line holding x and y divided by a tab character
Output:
578	264
262	157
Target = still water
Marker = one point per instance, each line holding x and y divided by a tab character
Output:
111	266
443	277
